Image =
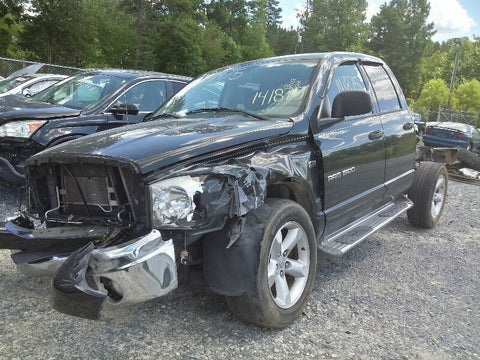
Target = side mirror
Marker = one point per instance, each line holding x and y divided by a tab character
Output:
26	93
350	103
124	109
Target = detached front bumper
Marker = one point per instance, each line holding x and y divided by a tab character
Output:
88	279
138	271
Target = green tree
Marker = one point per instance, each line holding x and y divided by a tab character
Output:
469	59
11	27
218	49
433	96
440	58
273	13
401	35
253	37
468	96
61	31
231	16
180	37
434	66
282	41
113	34
334	25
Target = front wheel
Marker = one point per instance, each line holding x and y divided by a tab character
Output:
428	193
286	266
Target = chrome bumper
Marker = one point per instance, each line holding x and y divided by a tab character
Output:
140	270
89	278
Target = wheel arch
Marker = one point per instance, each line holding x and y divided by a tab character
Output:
300	192
230	270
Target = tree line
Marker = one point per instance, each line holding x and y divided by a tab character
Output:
190	37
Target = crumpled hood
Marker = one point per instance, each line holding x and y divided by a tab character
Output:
157	144
19	108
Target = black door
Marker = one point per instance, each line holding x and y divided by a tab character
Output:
353	156
399	131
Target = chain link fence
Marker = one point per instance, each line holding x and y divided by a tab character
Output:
442	115
9	66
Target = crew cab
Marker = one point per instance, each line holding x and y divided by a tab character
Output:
247	172
86	103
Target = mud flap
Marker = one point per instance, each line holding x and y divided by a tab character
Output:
71	293
230	270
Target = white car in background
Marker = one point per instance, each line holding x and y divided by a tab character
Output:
29	84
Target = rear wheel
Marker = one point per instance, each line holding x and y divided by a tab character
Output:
428	193
286	267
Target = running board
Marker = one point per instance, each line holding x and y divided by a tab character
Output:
338	243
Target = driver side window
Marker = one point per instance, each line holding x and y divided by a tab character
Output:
147	96
346	77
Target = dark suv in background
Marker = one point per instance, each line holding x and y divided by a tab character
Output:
89	102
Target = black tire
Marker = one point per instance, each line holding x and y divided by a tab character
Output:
428	193
469	159
263	305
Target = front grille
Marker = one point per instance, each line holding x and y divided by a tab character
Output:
92	185
73	193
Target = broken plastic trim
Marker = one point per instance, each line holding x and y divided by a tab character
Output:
236	186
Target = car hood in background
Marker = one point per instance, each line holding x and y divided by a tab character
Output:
19	108
157	144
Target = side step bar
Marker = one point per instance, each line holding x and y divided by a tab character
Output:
338	243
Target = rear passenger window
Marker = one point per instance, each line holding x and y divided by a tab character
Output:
384	90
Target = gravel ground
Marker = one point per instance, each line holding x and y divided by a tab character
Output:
404	293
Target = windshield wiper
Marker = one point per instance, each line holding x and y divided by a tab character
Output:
225	109
164	115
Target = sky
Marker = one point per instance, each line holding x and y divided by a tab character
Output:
451	18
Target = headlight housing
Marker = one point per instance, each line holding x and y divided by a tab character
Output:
173	201
20	129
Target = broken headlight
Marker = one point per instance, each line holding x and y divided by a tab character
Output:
173	202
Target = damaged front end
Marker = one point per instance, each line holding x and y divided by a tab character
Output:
92	237
109	235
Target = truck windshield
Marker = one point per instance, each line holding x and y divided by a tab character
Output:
81	91
268	89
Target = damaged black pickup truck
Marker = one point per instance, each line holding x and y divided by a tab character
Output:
246	172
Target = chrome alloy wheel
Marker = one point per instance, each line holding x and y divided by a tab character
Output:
438	197
288	264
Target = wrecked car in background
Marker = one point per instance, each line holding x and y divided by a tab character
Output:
452	134
247	171
86	103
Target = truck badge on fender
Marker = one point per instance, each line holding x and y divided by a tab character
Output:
340	174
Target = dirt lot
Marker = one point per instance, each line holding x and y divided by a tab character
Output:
404	293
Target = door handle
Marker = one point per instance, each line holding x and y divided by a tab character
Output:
377	134
407	126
